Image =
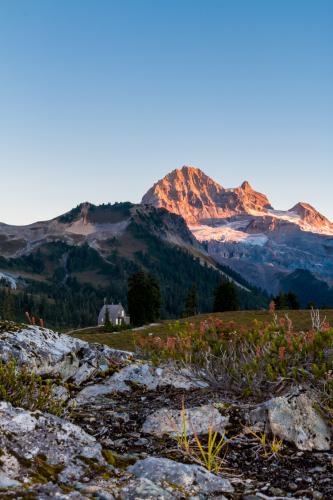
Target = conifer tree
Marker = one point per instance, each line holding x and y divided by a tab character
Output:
191	302
225	297
144	298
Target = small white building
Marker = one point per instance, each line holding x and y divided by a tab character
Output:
115	313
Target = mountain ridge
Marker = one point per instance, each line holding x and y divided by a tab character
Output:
240	228
191	193
233	231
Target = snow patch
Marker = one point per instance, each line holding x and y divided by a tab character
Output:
11	280
295	218
228	233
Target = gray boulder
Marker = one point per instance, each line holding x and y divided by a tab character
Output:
144	489
46	442
192	478
48	352
293	418
6	482
140	374
197	420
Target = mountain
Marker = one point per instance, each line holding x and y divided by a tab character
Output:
308	289
188	229
63	269
196	197
239	228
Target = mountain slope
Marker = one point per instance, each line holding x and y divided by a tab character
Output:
71	263
240	229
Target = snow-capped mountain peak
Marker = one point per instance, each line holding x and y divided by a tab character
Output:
194	195
241	229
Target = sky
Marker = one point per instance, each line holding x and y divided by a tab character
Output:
101	98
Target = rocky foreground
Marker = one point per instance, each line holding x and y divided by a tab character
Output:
128	429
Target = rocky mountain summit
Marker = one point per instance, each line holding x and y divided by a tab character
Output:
191	193
197	198
123	421
240	228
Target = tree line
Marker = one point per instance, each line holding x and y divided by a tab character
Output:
144	299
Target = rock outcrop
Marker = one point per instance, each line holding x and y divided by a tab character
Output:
50	353
36	445
144	375
294	418
126	443
190	421
185	476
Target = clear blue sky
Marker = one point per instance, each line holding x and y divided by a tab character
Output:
100	98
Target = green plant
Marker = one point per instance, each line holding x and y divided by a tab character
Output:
251	361
210	454
23	388
268	448
182	438
207	453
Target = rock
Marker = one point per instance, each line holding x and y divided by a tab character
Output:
60	393
6	482
98	391
178	378
197	421
43	441
144	489
97	492
48	352
48	491
144	375
293	418
192	478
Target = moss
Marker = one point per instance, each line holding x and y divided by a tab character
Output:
176	487
45	472
23	388
11	326
119	461
95	468
109	457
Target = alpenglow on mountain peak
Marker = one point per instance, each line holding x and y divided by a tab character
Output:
191	193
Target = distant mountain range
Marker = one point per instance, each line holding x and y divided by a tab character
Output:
188	229
240	228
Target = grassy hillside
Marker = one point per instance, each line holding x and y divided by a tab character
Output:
127	339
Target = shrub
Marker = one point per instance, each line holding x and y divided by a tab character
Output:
23	388
251	362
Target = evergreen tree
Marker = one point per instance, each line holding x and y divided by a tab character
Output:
154	295
107	322
191	302
287	301
144	298
293	300
225	297
8	311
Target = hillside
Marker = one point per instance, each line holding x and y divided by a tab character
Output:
65	268
240	320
